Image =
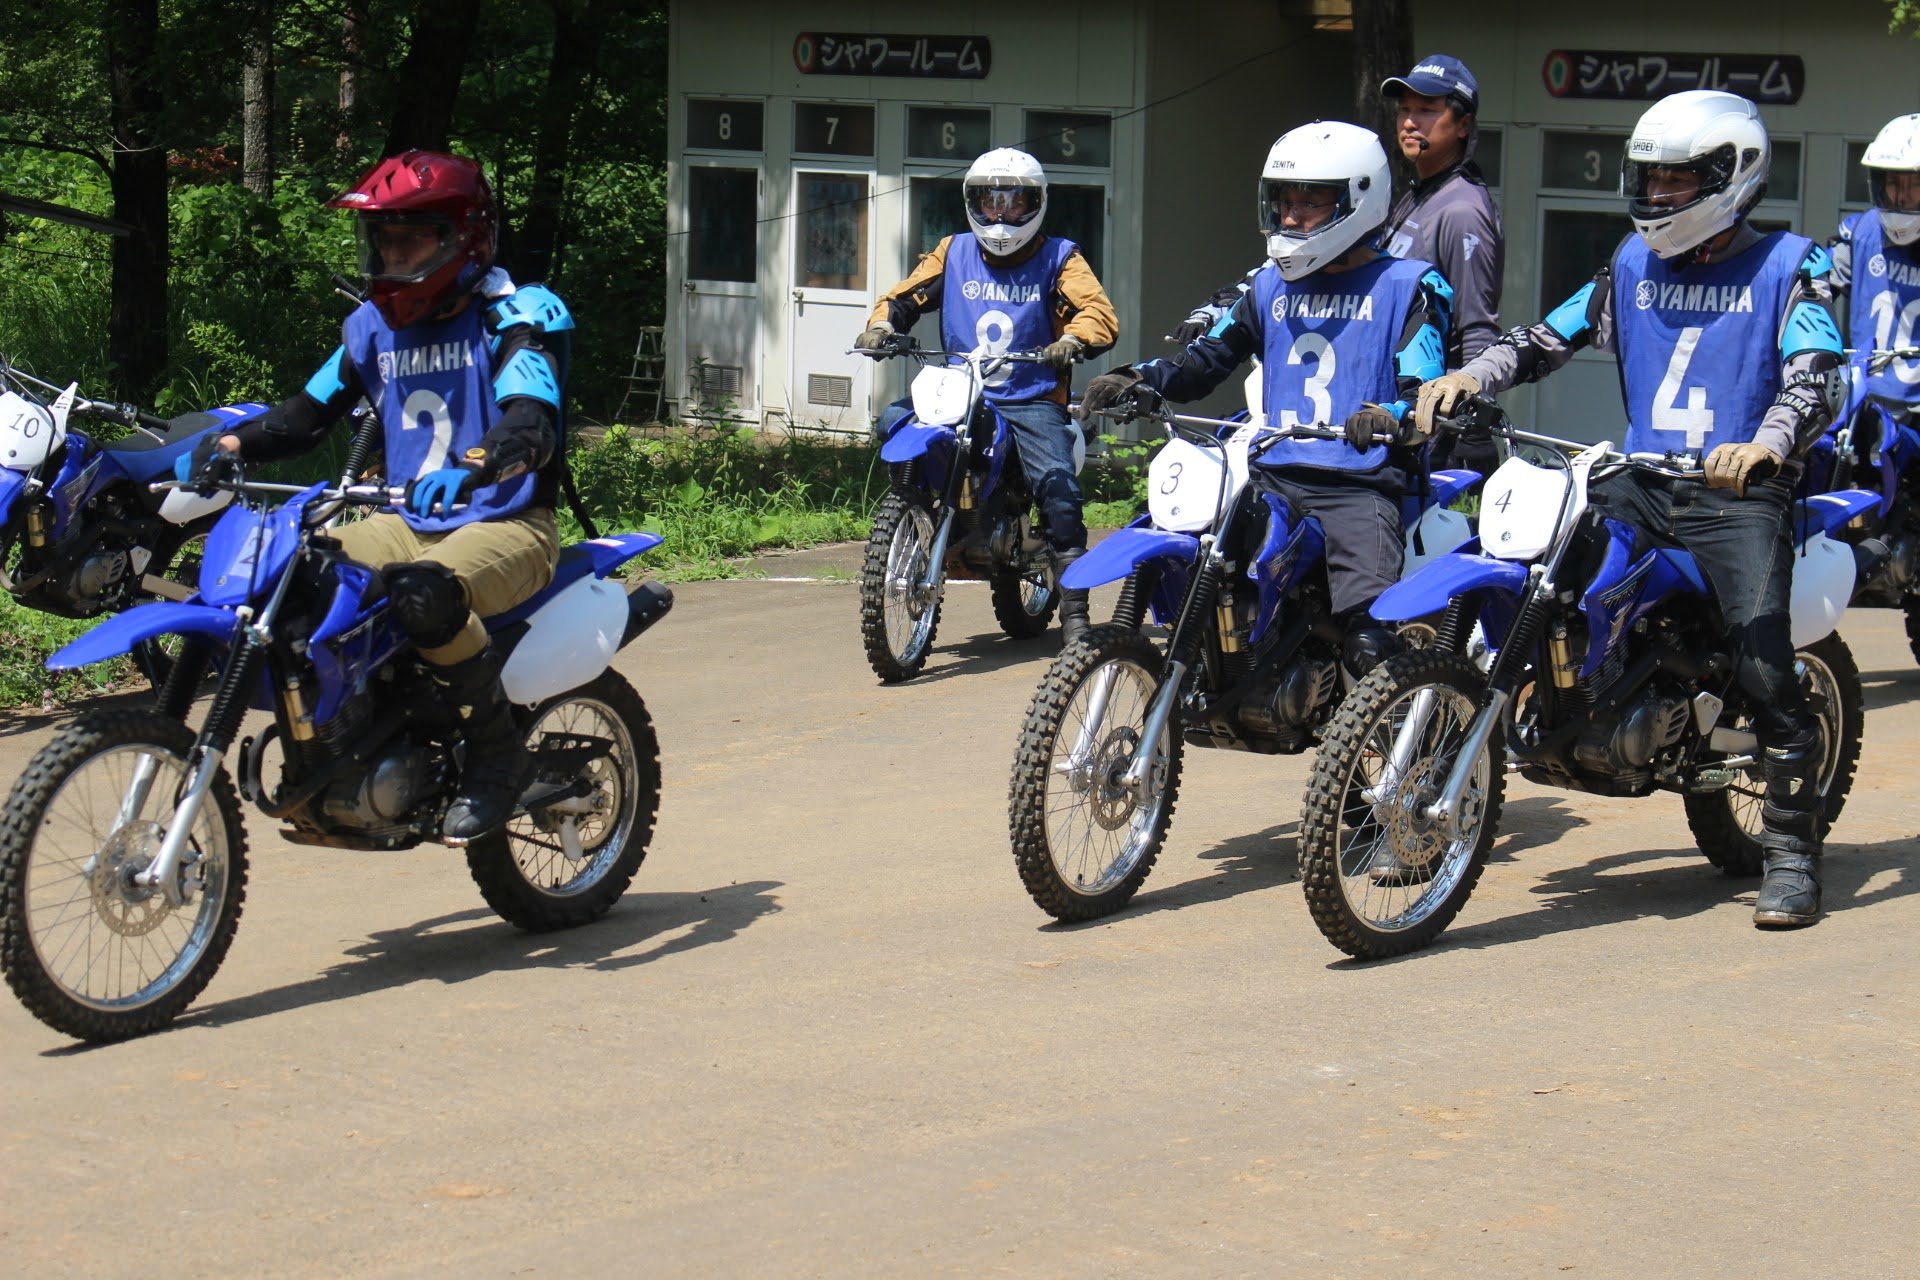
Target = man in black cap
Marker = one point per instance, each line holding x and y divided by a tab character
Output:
1447	216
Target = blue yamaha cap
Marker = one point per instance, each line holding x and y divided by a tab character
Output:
1437	75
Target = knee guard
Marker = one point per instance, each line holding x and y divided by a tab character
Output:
1367	645
429	602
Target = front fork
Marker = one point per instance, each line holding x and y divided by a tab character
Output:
949	504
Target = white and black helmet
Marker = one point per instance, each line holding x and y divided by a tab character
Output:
1006	194
1716	135
1351	164
1896	149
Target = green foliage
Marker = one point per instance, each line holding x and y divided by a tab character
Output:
31	637
1906	15
716	495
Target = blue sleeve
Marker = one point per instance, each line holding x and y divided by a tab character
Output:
1210	358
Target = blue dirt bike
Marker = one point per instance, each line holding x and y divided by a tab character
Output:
1610	674
122	857
1251	661
1875	444
958	507
81	533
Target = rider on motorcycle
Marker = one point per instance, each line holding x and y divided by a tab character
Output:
1885	243
1009	287
1726	348
465	372
1344	334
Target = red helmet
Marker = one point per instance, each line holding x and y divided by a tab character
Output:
425	223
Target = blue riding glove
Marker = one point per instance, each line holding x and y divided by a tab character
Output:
441	489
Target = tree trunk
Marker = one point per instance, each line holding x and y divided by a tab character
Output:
1382	47
429	76
256	101
352	24
137	323
578	28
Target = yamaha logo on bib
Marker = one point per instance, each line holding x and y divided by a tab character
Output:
1877	265
970	290
1644	294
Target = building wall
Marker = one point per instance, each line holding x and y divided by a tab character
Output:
1857	78
1205	148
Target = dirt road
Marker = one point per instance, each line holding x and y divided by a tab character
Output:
827	1034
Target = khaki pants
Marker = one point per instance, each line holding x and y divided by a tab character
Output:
499	562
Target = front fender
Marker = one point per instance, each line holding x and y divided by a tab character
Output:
11	483
1827	512
913	439
1118	554
118	634
1433	586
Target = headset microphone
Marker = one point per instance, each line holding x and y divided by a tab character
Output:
1423	143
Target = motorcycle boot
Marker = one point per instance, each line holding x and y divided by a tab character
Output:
1074	620
498	766
1790	818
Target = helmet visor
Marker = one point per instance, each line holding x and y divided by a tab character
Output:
405	247
1300	209
1660	189
1003	201
1895	190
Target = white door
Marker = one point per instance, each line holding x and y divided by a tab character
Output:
721	303
831	293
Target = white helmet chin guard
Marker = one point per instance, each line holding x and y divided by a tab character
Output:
1896	149
1006	194
1351	165
1716	136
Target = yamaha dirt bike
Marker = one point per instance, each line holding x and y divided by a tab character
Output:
1876	445
959	507
123	862
80	531
1251	661
1611	674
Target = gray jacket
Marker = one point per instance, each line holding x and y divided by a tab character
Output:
1450	220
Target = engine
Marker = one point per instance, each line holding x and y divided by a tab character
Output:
1629	744
387	794
1292	697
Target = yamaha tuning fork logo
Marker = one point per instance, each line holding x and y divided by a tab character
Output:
1877	265
971	290
1644	294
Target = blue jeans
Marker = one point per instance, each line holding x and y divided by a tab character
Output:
1044	435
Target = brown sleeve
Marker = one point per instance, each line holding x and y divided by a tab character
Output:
1083	308
918	294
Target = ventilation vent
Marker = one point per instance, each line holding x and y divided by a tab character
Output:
718	381
835	391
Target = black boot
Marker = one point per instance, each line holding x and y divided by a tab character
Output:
1073	604
1791	836
498	766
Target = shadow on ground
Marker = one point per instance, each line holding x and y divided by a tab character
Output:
450	949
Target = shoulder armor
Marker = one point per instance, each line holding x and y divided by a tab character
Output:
532	304
1436	283
1817	263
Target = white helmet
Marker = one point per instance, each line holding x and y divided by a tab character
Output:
1896	149
1351	164
1716	136
1006	193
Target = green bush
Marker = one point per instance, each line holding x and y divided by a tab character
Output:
31	637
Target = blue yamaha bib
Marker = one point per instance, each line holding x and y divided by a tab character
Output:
1884	309
988	308
1327	348
1700	345
432	385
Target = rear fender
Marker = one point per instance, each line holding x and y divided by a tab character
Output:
1430	588
118	634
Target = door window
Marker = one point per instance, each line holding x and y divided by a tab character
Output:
830	249
723	213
